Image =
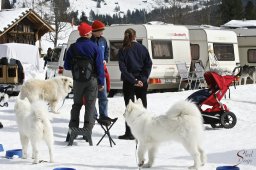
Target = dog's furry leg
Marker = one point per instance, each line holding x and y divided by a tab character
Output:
151	157
141	154
35	151
53	105
245	80
202	156
24	142
192	148
49	143
254	78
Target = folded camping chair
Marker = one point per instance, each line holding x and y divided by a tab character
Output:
199	75
106	125
184	74
73	132
3	95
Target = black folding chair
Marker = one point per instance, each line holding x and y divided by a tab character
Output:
73	132
106	126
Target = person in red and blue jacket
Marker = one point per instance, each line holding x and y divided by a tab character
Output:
135	65
85	92
97	37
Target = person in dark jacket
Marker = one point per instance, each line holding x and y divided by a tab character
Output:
135	65
48	56
97	32
85	92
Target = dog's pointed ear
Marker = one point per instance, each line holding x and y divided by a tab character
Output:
139	101
130	101
26	99
130	106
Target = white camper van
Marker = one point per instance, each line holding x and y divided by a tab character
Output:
167	45
214	47
247	45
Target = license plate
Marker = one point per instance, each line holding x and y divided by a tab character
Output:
168	80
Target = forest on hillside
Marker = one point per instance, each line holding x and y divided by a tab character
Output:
214	12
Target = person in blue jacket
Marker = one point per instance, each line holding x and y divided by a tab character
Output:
135	65
85	91
97	32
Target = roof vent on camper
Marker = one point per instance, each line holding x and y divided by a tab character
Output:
156	23
208	26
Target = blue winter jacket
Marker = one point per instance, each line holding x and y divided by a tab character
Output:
135	63
85	47
101	42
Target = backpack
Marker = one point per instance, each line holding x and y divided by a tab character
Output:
82	67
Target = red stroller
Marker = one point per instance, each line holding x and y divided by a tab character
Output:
218	114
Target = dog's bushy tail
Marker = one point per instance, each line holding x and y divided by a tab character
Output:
185	109
40	110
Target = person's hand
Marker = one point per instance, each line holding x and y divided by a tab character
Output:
100	88
139	84
104	62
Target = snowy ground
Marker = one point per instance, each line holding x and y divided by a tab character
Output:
221	145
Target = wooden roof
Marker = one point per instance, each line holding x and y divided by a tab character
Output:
9	18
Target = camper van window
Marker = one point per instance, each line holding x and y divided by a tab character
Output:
195	51
162	49
224	52
251	54
114	48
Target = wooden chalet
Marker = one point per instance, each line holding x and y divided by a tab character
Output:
22	25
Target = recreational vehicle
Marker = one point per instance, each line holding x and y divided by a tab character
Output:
167	44
247	45
214	47
53	63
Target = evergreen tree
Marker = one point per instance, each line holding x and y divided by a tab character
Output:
6	4
92	15
231	9
83	17
250	11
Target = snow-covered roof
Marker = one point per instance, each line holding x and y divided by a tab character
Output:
10	16
240	24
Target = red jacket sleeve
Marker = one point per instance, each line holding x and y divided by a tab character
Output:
107	77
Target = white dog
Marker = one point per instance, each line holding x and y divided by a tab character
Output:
51	90
34	125
182	123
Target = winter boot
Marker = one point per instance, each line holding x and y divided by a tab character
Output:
128	134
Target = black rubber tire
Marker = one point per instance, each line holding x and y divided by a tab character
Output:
228	120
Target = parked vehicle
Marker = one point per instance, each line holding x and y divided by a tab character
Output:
53	65
61	60
214	47
246	45
167	45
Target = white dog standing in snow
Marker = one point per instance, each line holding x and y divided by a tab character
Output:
34	125
182	123
50	90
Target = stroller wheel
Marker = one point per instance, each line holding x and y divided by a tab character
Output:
228	120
